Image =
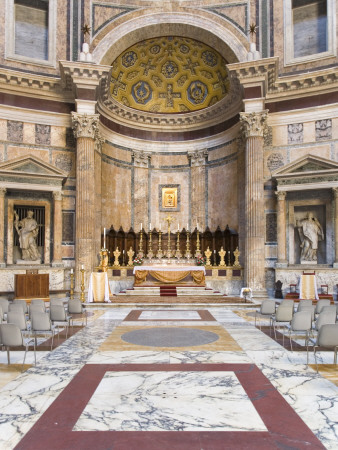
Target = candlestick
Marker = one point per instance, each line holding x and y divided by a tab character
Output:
82	267
187	253
104	238
150	253
159	252
71	271
178	253
71	294
141	226
150	226
82	296
187	226
178	227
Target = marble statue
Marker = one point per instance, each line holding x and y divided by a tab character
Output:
310	232
27	230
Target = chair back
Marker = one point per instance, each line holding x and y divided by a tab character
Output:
15	307
284	313
18	318
38	301
320	305
268	307
57	313
310	308
303	303
22	303
4	306
11	335
324	318
35	308
75	306
56	301
327	336
1	315
301	321
330	308
41	321
287	302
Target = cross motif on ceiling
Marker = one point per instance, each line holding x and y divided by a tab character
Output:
191	66
169	96
169	51
222	83
118	84
147	66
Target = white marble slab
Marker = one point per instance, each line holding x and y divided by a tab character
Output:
171	401
170	315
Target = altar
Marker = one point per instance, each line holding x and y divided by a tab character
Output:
169	274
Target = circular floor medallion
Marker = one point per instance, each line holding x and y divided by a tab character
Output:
170	337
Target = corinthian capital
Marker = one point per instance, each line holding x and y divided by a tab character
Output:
85	125
280	195
254	124
141	158
335	192
198	157
2	192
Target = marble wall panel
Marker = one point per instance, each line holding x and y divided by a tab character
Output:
3	130
279	135
116	196
198	197
42	134
29	133
68	201
58	136
223	151
117	153
309	132
169	160
223	186
64	161
322	151
273	160
157	217
2	153
323	129
140	197
335	128
14	131
68	251
16	152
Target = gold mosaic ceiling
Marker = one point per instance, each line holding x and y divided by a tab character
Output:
169	75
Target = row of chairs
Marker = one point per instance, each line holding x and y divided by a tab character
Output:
23	324
307	319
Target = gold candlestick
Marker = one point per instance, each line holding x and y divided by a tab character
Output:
150	253
159	252
82	296
178	253
187	253
169	219
198	250
71	294
140	250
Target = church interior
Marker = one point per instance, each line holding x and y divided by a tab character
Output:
168	224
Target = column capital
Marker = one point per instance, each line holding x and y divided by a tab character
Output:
57	195
280	195
254	124
2	192
198	157
335	192
85	125
141	158
99	141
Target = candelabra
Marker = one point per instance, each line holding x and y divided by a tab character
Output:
178	253
82	297
140	250
187	253
71	294
150	253
159	252
198	250
168	254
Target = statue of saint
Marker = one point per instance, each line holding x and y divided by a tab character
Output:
310	232
27	230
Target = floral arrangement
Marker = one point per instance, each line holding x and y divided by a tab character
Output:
200	260
138	260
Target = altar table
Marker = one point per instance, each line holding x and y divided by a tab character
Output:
171	274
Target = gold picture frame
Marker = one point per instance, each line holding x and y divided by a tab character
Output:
169	198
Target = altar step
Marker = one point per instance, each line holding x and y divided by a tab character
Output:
168	291
171	291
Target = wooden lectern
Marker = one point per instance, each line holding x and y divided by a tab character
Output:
28	286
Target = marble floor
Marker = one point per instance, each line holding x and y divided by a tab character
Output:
221	383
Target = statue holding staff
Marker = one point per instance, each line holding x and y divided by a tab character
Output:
310	232
27	230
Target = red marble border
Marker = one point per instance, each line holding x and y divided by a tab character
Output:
53	431
134	315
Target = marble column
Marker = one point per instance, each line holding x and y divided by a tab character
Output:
335	196
253	125
281	228
2	226
198	188
85	127
57	246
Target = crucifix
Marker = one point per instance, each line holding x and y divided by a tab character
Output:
169	219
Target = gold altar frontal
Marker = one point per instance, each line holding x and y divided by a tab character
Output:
170	275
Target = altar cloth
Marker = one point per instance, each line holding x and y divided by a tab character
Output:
169	274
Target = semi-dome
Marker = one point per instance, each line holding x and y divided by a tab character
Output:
169	75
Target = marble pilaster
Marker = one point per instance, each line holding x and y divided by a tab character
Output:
253	125
2	226
57	247
198	187
85	127
281	228
335	196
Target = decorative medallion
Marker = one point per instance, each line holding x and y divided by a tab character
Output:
169	75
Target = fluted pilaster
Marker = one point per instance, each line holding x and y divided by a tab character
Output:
2	225
198	187
253	127
281	227
57	247
335	196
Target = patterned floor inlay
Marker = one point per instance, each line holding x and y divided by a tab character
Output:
105	406
167	315
224	342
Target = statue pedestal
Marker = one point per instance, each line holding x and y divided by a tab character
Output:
312	263
24	262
